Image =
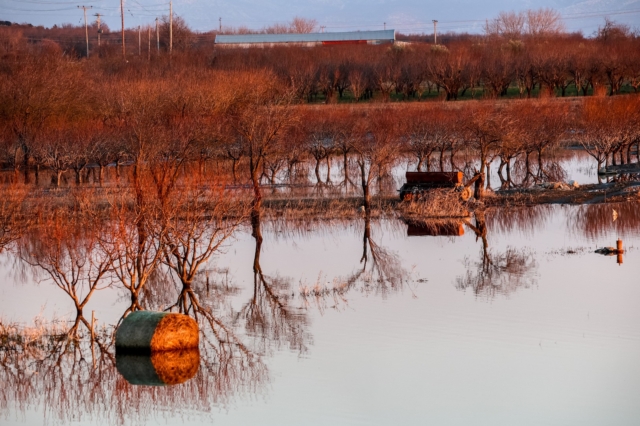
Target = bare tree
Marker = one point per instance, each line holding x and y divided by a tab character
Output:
303	25
544	21
376	149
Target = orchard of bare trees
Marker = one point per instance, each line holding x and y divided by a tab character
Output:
240	117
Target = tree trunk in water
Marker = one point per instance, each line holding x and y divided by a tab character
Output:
257	235
540	169
291	172
479	189
135	303
318	180
346	166
488	175
365	188
26	168
256	204
599	167
527	163
503	181
234	167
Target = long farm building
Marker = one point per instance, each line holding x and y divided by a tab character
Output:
309	39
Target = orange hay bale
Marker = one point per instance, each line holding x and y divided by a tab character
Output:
147	331
175	332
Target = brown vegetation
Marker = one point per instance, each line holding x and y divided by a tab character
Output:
143	139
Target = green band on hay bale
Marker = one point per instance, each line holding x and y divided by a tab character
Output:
148	331
159	368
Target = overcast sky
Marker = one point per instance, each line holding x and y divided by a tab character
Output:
406	16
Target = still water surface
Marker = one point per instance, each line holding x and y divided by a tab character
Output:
425	331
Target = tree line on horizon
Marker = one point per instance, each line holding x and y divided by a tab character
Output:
525	54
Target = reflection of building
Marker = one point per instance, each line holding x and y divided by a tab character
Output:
310	39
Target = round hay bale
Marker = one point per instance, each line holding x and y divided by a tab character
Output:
159	368
148	332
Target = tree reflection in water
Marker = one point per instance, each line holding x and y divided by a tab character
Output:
70	257
73	376
52	368
269	316
526	219
596	220
496	273
43	367
381	272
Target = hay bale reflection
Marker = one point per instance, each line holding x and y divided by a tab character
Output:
159	368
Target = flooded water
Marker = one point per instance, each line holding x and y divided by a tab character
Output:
504	319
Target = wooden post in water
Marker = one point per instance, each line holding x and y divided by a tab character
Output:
620	252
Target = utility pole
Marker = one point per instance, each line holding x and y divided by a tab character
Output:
99	27
220	25
157	36
170	27
122	16
435	32
139	42
86	29
149	37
